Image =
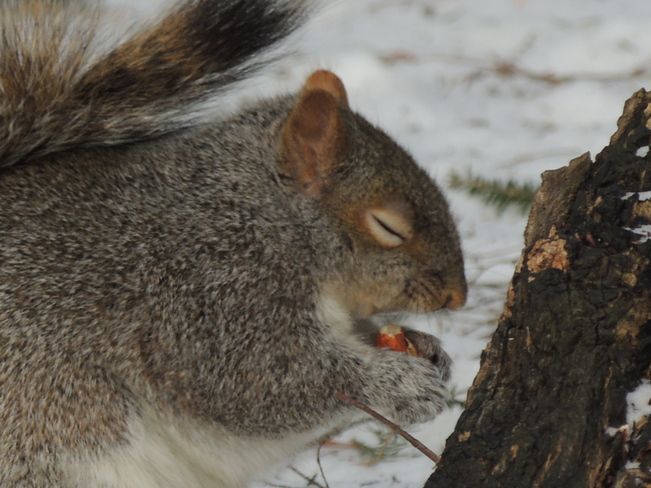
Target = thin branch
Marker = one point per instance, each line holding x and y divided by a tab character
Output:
310	481
318	461
394	427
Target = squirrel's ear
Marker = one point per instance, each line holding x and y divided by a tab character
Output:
328	82
313	137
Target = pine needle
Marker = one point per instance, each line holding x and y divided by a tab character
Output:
388	445
497	193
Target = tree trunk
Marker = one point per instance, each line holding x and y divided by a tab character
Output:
548	406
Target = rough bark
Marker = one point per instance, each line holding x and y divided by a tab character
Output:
546	407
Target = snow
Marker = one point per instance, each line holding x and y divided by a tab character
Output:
643	231
613	431
505	88
641	195
639	403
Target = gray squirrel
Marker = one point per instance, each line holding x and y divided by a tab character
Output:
183	300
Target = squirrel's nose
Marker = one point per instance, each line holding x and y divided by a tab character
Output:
456	299
457	294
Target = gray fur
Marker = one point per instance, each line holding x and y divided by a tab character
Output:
185	274
60	88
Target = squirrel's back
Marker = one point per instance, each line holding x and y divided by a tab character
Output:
60	88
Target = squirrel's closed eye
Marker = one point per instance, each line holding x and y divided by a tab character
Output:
388	227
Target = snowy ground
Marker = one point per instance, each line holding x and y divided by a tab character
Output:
506	88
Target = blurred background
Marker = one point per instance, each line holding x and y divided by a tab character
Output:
486	95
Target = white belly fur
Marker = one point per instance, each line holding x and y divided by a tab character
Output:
175	453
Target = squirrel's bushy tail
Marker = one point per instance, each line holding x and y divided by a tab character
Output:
59	91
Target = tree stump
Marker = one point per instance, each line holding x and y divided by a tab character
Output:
548	406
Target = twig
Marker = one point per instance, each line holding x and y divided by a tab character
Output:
318	461
310	481
394	427
338	445
508	69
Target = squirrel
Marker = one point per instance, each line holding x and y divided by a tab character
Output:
183	299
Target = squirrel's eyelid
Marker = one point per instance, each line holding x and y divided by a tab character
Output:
390	230
386	227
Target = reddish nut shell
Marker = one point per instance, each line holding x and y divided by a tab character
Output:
392	337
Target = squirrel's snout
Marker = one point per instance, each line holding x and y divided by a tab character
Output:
457	293
456	299
428	293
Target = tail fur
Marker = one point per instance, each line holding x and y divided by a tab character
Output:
59	91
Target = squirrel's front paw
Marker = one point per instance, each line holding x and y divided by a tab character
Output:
407	389
429	347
